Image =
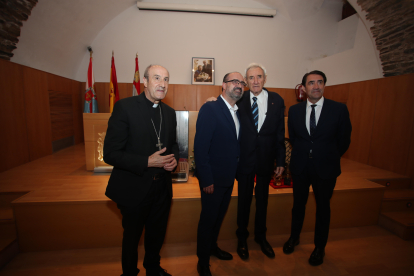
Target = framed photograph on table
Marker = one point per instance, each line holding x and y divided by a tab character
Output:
203	71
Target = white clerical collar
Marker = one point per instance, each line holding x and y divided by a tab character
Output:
154	105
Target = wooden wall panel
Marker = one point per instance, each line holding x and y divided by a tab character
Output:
185	97
169	99
204	92
393	123
361	106
61	110
125	90
410	164
13	146
288	96
102	96
36	97
77	105
339	93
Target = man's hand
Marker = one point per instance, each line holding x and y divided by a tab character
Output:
211	99
209	189
279	171
170	166
156	160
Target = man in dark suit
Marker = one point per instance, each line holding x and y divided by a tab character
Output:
320	133
216	152
262	143
141	145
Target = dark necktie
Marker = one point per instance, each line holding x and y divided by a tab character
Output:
255	113
312	121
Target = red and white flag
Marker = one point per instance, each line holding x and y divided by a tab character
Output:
91	104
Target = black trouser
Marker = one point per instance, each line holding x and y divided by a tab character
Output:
152	213
323	190
245	191
213	209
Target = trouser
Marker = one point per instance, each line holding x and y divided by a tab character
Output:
245	195
152	213
323	190
213	209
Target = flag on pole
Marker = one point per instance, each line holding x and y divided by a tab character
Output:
136	85
91	104
113	86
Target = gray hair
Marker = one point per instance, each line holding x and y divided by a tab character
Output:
255	65
146	74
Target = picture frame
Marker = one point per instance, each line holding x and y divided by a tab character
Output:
202	71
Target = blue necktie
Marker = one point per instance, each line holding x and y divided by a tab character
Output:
255	113
312	121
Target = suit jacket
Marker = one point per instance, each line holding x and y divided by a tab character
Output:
216	147
329	142
260	150
129	141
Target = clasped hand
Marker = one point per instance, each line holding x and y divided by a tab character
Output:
168	162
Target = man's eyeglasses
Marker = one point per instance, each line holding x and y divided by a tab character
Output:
237	82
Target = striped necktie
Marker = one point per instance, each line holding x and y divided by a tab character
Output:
255	113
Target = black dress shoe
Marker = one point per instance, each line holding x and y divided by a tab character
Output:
316	257
266	247
242	249
289	246
220	254
158	272
203	270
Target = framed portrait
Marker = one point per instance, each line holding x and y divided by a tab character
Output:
203	71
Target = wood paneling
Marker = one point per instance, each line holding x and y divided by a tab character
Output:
339	93
288	96
206	91
361	106
393	124
185	97
13	146
102	96
36	97
410	164
61	110
125	90
169	99
77	105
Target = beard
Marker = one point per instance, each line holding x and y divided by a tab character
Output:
234	95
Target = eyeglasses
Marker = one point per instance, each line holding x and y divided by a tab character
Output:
237	82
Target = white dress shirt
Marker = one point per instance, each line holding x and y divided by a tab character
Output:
318	109
262	105
233	110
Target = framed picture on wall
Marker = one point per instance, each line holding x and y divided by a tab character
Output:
203	71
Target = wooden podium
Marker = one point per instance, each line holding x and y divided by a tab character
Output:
94	127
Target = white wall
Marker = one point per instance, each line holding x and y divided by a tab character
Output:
55	37
171	39
356	64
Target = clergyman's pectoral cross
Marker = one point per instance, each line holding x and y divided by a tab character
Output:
159	144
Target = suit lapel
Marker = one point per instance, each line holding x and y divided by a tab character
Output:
302	119
324	116
246	105
227	114
270	107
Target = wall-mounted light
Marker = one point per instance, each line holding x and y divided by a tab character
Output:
205	9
